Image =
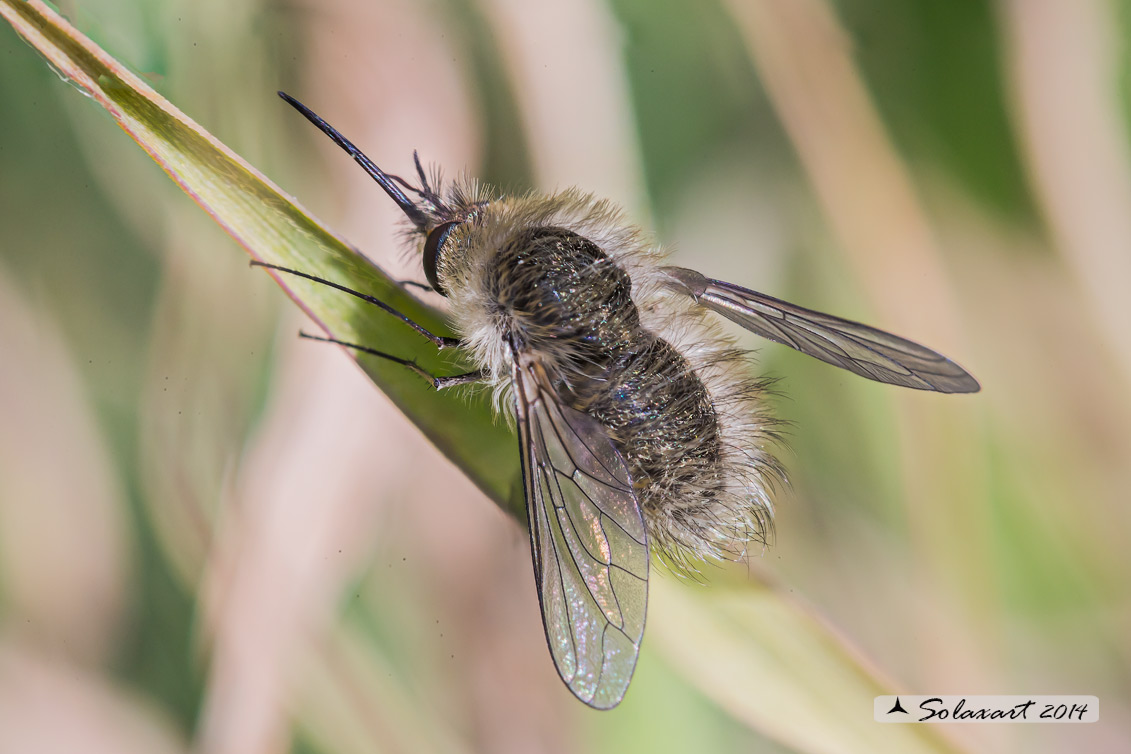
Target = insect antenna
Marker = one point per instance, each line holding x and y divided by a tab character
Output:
429	193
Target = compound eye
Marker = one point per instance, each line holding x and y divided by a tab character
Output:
432	250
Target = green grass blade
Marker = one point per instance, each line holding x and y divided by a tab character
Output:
274	228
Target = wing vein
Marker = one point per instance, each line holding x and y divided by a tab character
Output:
590	592
856	347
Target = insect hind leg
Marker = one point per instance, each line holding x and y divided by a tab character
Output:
439	383
439	341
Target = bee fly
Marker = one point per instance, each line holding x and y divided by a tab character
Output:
638	425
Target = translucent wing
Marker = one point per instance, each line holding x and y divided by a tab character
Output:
588	539
868	352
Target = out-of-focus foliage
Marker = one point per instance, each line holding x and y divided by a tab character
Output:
210	531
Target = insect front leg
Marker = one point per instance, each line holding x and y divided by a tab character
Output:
438	383
422	286
440	341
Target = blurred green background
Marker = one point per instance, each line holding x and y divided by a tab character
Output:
214	536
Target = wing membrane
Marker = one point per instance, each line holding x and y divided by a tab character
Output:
588	540
860	349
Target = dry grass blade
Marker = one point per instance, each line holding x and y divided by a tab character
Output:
771	663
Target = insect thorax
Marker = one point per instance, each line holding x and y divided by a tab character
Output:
557	295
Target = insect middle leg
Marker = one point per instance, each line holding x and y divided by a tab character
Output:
438	383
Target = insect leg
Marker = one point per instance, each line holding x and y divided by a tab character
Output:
422	286
440	341
437	382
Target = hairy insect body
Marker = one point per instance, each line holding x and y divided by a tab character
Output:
551	285
639	429
623	350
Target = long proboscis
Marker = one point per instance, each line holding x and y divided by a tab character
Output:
414	213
